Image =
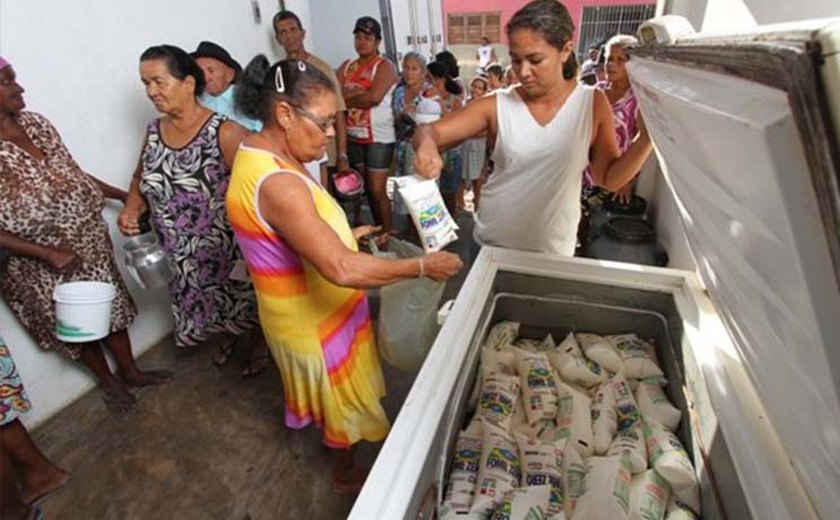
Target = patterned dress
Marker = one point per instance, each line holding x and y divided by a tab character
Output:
53	203
626	128
185	189
320	334
13	399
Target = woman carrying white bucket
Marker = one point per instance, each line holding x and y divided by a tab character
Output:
51	224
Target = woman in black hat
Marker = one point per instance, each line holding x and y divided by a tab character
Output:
182	179
367	84
220	74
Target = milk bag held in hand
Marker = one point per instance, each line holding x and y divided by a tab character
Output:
434	224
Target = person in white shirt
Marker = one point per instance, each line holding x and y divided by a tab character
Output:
591	63
545	131
485	54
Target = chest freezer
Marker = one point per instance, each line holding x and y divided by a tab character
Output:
744	128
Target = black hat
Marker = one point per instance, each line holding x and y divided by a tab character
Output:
369	25
217	52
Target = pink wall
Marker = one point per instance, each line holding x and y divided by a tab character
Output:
508	7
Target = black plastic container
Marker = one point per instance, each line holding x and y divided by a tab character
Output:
627	239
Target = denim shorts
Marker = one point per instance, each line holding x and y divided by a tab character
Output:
374	156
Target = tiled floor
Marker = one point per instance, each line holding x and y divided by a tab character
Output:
209	445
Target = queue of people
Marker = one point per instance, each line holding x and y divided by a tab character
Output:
225	178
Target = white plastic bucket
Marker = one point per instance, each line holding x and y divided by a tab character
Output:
83	311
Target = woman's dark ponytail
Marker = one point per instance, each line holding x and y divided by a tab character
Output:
263	84
570	68
248	95
439	70
453	87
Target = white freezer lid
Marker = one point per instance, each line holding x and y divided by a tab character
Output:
743	131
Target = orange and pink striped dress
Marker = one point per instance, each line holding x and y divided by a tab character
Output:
320	334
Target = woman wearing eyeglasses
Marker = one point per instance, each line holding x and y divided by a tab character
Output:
305	262
181	178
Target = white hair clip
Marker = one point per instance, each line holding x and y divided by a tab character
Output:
279	84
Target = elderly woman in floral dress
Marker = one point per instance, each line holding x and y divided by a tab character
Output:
182	178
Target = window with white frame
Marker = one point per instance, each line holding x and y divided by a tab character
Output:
599	23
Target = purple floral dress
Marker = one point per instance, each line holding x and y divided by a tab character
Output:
185	189
626	128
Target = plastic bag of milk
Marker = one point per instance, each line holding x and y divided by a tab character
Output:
689	497
574	418
502	361
655	406
606	489
668	457
499	472
600	350
631	442
625	404
574	471
570	347
583	372
464	471
539	390
604	419
434	224
676	510
497	400
502	334
648	496
525	503
542	464
638	357
568	360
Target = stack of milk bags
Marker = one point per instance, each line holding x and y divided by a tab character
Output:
579	430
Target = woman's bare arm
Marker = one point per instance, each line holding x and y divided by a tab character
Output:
475	118
286	203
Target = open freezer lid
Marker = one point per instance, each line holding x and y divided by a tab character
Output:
745	129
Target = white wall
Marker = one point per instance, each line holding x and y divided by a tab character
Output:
78	63
332	22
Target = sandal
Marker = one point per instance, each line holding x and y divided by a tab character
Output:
353	485
256	365
225	352
34	504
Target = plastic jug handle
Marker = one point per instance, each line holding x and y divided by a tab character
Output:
133	271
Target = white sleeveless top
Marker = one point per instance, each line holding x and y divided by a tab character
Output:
484	55
531	201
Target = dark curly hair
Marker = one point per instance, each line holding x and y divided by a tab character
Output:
178	62
257	91
551	19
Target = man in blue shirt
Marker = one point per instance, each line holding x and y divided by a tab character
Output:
220	73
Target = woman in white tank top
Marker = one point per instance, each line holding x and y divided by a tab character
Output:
545	130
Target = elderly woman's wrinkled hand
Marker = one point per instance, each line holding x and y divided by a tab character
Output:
441	266
129	222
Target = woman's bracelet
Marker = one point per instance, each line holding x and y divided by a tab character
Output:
422	271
